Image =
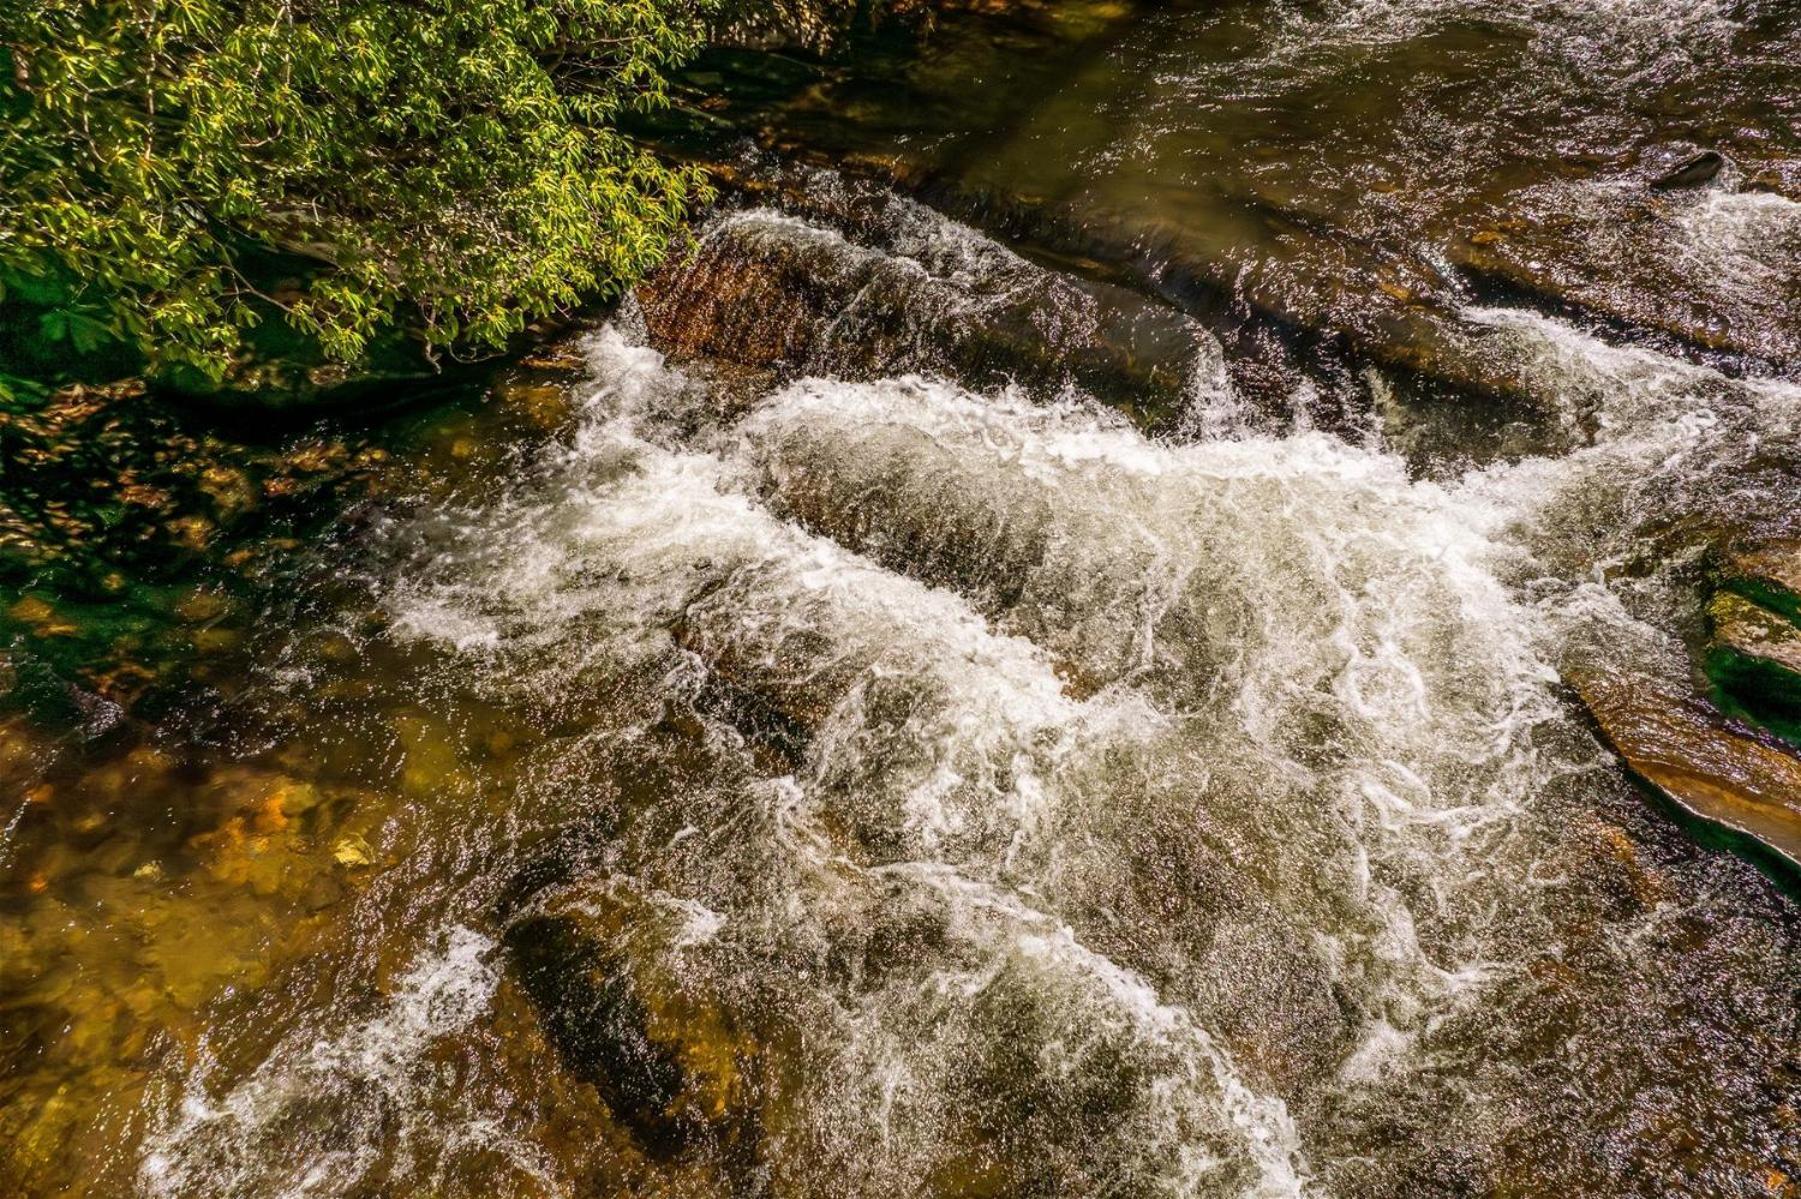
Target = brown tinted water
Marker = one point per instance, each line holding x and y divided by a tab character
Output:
1356	169
676	778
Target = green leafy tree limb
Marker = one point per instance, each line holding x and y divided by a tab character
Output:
453	158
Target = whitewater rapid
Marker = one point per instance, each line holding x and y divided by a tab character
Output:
1083	811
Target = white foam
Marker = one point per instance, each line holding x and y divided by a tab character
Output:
1045	682
1197	1079
349	1087
1636	31
1742	240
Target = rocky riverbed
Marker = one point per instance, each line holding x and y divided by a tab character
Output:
1167	600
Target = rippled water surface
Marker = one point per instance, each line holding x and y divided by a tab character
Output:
693	769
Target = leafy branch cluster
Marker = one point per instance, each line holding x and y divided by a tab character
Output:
455	160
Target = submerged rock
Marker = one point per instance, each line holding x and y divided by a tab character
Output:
1755	651
1717	770
600	965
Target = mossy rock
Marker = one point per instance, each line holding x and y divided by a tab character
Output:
1768	574
1756	653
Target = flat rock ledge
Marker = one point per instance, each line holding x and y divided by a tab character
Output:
1718	770
1768	574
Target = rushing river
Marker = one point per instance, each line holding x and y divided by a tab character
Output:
692	771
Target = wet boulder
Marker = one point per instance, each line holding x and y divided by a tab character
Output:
1318	301
1707	272
905	289
748	294
1320	298
611	976
1702	168
1768	574
1717	770
1755	652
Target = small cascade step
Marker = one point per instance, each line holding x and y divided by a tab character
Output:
890	286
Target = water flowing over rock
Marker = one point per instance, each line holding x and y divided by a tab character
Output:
1046	785
666	1060
1712	273
908	290
1768	574
1291	167
1223	628
808	780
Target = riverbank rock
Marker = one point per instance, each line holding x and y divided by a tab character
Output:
822	26
1312	268
1717	770
605	969
1317	304
1755	652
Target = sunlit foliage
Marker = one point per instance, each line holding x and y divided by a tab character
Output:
173	172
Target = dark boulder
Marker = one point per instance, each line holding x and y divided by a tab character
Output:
1702	168
602	966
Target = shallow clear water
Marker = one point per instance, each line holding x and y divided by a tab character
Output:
671	778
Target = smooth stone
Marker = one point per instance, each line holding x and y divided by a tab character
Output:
883	285
1768	574
1717	770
